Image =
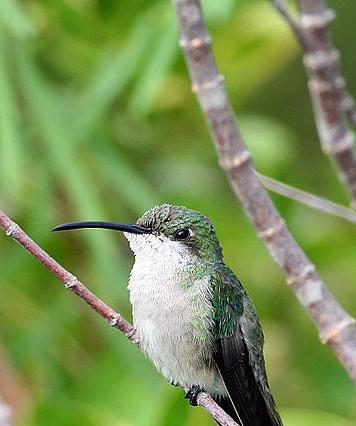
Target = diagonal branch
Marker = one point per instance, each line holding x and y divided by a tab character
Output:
311	200
336	327
333	105
115	319
70	281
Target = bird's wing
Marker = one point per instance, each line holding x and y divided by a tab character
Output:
239	352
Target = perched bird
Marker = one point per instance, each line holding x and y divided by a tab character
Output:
193	317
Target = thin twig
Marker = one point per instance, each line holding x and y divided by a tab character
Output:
336	327
294	25
115	319
311	200
333	105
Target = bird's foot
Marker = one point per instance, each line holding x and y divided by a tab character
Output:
192	395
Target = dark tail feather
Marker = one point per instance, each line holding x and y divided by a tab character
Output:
227	406
250	397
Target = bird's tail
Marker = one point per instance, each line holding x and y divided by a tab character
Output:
272	419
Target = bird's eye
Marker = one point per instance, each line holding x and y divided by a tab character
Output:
182	234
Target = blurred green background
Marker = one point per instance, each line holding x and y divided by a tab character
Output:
97	121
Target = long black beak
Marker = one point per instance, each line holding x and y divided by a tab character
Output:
117	226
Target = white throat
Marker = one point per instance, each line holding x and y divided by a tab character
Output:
158	249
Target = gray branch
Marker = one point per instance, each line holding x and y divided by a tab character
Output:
336	327
311	200
332	104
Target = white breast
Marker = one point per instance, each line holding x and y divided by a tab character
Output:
172	314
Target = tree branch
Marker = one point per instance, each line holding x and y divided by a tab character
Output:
333	106
70	281
206	401
115	319
336	327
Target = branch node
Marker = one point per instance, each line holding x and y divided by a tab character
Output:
316	21
195	43
208	85
321	59
72	282
330	334
295	280
113	321
270	232
322	86
347	103
236	162
346	143
12	229
132	335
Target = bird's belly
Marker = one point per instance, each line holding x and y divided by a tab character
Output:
174	337
178	355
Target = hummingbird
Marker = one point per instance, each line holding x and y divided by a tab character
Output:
193	318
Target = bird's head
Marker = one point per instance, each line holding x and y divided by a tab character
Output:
167	229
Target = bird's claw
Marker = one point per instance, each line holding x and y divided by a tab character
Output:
192	395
